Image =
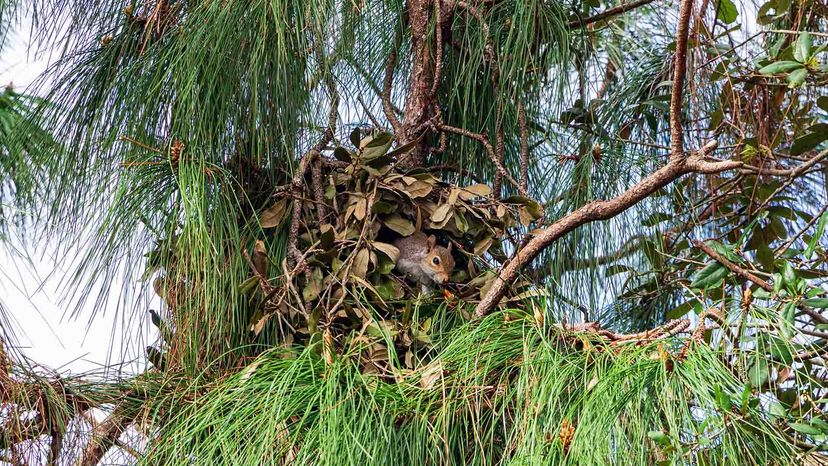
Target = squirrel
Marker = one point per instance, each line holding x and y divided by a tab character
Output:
422	260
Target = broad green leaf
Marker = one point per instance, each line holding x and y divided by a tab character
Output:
727	11
797	77
819	303
710	276
806	429
807	142
781	67
802	50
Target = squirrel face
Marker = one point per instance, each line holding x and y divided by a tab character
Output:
438	263
422	260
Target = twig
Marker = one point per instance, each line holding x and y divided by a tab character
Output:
482	139
609	13
524	148
733	267
367	111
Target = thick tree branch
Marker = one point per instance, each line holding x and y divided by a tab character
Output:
104	436
679	72
677	166
599	210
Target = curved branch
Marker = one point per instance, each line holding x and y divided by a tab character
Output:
599	210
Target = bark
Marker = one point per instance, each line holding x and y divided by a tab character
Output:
419	104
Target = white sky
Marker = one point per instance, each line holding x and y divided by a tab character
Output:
44	334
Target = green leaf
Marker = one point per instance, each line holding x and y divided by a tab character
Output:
802	50
727	11
710	276
797	77
806	429
722	398
809	141
377	146
659	437
781	67
340	153
819	303
822	102
759	372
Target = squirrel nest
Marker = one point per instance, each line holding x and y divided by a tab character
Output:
343	216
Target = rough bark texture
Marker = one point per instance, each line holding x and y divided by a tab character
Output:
419	103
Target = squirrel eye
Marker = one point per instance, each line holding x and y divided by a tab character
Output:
436	261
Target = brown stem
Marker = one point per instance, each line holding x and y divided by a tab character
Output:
297	188
599	210
524	148
482	139
747	275
615	11
104	436
817	317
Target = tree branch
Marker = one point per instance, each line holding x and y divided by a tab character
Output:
482	139
741	272
614	11
599	210
387	81
679	72
104	436
677	166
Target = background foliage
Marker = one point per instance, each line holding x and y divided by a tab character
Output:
179	143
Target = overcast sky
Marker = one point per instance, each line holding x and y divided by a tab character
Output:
45	334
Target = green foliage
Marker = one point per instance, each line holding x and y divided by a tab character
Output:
498	392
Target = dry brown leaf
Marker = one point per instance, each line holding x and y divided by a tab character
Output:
419	189
475	190
360	265
441	213
431	374
400	225
274	215
388	249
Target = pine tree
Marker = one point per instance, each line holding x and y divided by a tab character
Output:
635	192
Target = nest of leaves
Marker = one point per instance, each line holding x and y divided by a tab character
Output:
342	215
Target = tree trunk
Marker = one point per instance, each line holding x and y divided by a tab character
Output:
419	104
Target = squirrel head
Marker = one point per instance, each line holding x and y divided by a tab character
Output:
438	262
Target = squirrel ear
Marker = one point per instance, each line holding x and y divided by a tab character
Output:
449	246
431	241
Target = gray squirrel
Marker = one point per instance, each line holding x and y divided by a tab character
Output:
422	260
